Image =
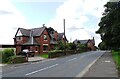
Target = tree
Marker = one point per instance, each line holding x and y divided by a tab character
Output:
102	46
110	25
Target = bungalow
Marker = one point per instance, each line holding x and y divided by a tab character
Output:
90	43
38	40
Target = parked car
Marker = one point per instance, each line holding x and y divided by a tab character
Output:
25	52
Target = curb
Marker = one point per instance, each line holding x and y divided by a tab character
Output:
86	69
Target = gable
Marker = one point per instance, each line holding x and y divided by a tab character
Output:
19	33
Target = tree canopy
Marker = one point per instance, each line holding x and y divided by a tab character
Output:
110	25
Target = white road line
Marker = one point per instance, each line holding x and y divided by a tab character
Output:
86	69
71	59
41	69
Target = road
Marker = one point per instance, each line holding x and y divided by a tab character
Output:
69	66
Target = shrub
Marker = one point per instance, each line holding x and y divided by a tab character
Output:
55	53
70	46
1	56
17	59
6	54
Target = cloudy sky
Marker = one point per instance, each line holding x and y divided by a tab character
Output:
82	17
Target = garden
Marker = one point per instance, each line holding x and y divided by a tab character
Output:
7	56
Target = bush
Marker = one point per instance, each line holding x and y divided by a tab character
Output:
6	54
1	56
17	59
55	53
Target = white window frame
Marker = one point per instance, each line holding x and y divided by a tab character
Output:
44	37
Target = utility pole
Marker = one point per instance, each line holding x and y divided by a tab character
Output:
64	30
64	36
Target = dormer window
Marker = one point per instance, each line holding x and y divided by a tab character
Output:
18	38
45	37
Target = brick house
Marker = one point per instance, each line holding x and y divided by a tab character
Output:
38	40
90	43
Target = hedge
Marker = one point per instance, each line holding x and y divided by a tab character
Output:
55	53
6	54
17	59
58	53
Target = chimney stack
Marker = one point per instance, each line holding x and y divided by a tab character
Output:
43	25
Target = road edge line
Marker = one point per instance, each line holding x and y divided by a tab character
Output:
88	67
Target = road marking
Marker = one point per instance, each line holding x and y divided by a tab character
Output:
41	69
71	59
86	69
107	61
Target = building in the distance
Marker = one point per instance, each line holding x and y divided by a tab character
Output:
90	43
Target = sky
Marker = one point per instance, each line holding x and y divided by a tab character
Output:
81	17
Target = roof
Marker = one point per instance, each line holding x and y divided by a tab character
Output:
81	41
25	32
31	33
60	35
31	41
53	42
84	41
36	31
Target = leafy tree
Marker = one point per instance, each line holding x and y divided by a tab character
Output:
102	46
60	45
110	25
70	46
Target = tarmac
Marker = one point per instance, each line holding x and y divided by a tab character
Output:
103	67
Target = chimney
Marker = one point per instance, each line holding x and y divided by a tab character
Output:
43	25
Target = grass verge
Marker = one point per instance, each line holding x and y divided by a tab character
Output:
44	55
116	57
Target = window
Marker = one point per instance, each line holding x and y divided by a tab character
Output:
19	38
45	37
36	48
45	48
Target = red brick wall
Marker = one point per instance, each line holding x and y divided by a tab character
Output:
39	39
56	35
18	49
24	39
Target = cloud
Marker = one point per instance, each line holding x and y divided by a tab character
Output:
114	0
3	12
10	20
39	0
76	15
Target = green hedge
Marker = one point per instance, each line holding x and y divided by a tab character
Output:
6	54
58	53
116	57
17	59
55	53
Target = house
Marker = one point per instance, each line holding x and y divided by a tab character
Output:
62	38
90	43
38	40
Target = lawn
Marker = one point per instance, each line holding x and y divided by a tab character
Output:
116	57
44	55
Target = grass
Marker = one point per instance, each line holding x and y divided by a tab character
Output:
116	57
44	55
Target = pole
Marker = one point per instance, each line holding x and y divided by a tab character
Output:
64	36
64	31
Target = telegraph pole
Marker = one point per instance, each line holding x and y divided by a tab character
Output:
64	36
64	30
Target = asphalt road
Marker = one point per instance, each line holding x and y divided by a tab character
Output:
69	66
